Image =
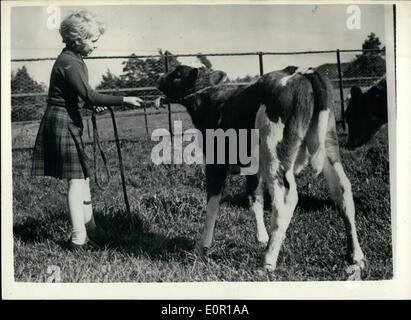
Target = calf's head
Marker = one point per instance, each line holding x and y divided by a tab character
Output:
365	114
185	80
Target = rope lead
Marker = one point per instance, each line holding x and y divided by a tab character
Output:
96	144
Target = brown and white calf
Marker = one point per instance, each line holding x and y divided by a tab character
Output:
293	111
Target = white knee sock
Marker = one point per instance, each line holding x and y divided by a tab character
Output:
75	204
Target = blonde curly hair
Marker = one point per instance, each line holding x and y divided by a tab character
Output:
80	25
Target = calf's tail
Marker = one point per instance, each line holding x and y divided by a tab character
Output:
322	103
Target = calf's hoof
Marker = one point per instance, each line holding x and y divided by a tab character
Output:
203	252
269	267
358	259
360	262
262	240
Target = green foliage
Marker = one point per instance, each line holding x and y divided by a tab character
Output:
26	108
138	72
144	72
110	81
371	43
368	64
22	82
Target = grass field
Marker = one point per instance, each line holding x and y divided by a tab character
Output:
170	200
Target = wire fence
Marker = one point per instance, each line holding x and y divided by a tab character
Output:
139	74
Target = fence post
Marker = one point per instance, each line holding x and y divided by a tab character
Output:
341	88
145	117
260	60
170	128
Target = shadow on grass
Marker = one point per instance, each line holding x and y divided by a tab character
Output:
305	202
39	229
117	231
130	234
309	204
239	200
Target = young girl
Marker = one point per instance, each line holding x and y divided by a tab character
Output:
59	149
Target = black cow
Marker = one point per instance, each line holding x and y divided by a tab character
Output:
366	113
292	111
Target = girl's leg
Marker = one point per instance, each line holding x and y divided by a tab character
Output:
75	204
88	208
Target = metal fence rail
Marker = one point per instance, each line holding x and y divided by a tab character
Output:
28	98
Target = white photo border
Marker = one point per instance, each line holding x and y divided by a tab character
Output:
399	136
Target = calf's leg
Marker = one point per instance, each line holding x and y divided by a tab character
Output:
283	191
282	186
340	189
215	178
255	194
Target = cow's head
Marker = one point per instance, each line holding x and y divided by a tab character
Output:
365	114
185	80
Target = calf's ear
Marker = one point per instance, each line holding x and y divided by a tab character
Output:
217	77
355	92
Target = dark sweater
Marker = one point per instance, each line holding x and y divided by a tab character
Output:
69	81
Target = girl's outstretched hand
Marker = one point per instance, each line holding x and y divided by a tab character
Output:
100	109
132	101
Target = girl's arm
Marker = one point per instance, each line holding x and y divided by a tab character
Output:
77	78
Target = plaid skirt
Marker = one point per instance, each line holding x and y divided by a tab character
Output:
59	148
